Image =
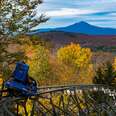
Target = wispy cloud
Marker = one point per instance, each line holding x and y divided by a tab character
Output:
68	12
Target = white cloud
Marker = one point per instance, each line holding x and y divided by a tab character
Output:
112	14
68	12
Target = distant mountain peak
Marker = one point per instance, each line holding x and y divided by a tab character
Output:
83	28
81	23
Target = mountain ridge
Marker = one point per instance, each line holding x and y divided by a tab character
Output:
59	39
81	27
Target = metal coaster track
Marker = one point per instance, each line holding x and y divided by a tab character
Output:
64	100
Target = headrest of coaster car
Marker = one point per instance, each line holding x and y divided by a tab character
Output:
21	71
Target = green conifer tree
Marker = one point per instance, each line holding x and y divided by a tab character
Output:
105	75
19	16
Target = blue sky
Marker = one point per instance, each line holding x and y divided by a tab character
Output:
65	12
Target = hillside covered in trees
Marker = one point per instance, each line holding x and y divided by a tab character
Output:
66	64
70	64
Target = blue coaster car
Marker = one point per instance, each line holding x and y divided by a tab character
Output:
20	83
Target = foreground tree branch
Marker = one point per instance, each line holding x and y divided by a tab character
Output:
19	17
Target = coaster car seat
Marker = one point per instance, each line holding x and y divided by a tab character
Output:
21	72
19	81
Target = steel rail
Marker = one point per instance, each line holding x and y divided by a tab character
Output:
75	85
78	87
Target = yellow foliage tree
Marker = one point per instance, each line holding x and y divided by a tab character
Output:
75	56
114	64
38	60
